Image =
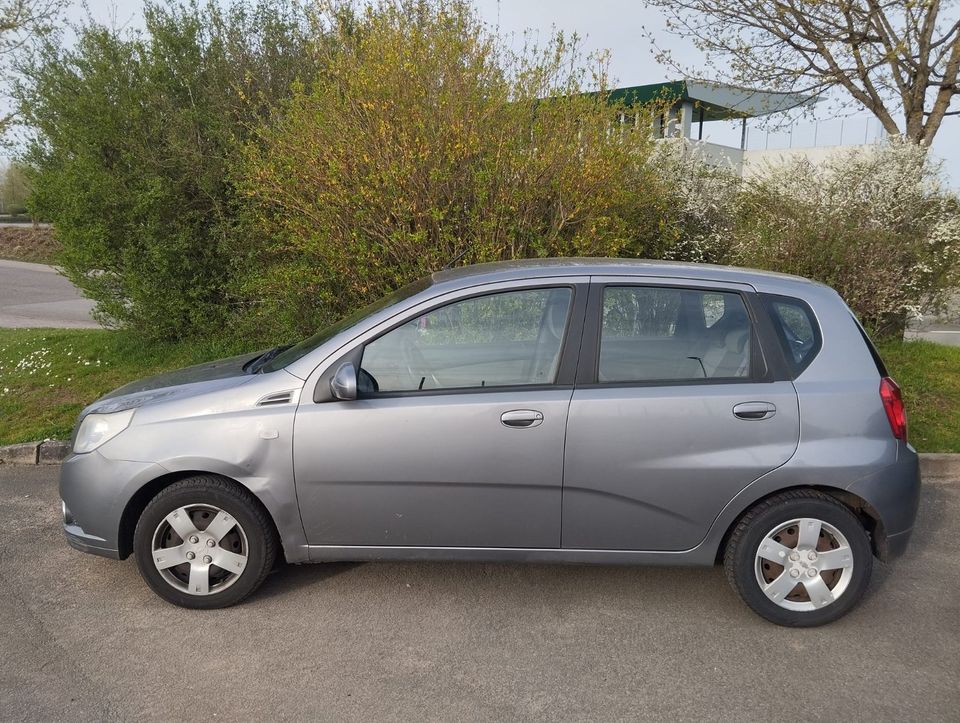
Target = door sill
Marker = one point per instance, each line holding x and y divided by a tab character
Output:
365	553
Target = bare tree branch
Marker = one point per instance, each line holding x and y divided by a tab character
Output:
899	59
20	22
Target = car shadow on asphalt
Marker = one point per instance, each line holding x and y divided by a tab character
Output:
289	578
931	518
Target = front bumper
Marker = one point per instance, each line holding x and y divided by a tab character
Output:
95	491
79	540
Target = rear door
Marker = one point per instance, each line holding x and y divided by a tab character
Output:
678	406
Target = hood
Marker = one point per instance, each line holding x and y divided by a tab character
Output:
219	369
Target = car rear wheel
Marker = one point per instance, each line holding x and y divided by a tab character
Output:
204	542
799	559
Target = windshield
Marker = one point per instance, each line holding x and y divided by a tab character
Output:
308	345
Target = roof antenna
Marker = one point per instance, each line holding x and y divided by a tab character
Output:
454	260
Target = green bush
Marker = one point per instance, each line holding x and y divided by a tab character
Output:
130	137
424	143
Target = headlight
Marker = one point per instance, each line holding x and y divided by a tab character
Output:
95	429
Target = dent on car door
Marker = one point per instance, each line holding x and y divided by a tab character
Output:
676	410
457	437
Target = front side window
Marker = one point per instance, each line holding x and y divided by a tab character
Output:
655	334
507	339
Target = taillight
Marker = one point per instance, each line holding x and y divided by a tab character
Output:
893	406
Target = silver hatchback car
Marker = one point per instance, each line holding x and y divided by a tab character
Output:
566	410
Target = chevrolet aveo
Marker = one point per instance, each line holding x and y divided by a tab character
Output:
579	411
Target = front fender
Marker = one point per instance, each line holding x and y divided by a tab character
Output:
277	494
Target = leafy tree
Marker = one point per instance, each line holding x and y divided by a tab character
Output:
131	134
899	59
21	22
14	190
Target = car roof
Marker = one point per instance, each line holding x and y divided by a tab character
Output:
537	268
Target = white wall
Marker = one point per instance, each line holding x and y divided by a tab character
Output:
755	161
747	163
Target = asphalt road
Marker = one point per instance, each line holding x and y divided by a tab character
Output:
948	334
83	639
35	295
943	328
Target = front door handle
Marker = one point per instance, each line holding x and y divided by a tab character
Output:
521	418
754	410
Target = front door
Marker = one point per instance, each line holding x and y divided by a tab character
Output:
456	439
674	413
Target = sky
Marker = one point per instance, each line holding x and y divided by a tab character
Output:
618	26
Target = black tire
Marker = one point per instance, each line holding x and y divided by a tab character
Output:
740	556
253	535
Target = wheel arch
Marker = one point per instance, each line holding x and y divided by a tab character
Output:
141	498
864	511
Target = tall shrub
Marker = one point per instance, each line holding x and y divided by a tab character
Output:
875	224
423	143
130	136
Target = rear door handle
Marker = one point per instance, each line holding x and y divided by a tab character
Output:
520	418
754	410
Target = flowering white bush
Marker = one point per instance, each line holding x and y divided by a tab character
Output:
875	224
704	202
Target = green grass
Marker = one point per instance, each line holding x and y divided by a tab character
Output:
47	376
930	377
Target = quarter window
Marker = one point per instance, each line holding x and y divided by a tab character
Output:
797	330
666	334
507	339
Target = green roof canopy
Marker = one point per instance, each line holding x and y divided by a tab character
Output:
716	101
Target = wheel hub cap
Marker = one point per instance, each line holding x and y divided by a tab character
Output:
200	549
804	564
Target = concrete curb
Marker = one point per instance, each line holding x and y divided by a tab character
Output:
52	451
940	465
49	451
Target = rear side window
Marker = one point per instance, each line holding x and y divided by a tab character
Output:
796	329
657	334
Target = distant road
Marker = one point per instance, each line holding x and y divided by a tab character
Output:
35	295
943	328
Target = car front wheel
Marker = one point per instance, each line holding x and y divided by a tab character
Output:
799	559
204	542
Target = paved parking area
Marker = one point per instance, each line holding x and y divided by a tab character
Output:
83	639
36	295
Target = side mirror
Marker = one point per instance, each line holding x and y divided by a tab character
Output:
343	386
